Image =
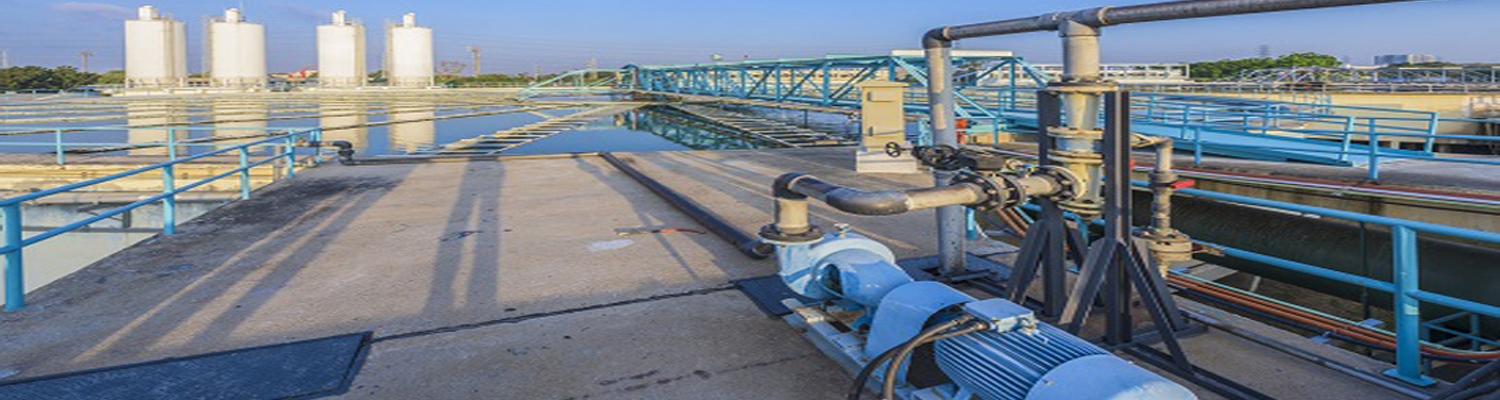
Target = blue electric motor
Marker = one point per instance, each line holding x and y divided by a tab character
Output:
1021	358
1017	358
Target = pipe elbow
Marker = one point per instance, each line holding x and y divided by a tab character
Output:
346	151
782	187
884	202
936	38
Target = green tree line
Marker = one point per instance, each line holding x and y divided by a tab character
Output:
42	78
493	79
1209	70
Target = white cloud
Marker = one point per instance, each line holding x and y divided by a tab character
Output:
95	10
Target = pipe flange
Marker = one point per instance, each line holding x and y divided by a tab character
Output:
996	195
1070	187
1169	245
1070	157
1066	133
770	233
1089	87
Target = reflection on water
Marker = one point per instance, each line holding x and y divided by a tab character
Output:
425	126
238	119
146	114
420	133
338	121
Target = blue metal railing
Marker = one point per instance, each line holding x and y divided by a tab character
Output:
174	143
283	149
1404	287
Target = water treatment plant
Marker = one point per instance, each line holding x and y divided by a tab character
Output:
945	220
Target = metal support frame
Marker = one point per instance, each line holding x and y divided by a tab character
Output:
1049	241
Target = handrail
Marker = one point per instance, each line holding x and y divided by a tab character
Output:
15	242
1404	287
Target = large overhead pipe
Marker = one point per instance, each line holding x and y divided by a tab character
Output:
1080	85
1106	16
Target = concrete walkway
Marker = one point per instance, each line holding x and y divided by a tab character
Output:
501	280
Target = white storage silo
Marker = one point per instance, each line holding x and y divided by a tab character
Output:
237	51
341	53
155	50
409	53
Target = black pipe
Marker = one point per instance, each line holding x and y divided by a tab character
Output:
751	246
346	151
881	202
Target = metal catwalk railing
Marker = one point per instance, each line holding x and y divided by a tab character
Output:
279	146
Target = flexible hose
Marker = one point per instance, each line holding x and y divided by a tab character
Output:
867	371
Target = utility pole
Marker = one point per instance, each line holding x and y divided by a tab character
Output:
85	56
475	50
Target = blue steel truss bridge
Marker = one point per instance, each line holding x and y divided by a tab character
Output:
996	93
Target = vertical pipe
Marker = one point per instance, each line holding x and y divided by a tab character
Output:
244	173
950	219
1408	310
15	284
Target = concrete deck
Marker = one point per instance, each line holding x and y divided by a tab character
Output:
506	280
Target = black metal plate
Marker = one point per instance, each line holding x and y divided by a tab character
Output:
298	370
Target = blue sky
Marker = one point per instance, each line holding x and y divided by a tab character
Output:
556	35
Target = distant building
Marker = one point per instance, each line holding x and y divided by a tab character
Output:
1388	59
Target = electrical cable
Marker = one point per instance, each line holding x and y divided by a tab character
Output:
864	374
888	391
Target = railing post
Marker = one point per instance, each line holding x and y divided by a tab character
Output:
169	203
172	143
1408	310
291	157
1432	127
1348	139
15	285
58	146
1374	154
317	137
244	172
